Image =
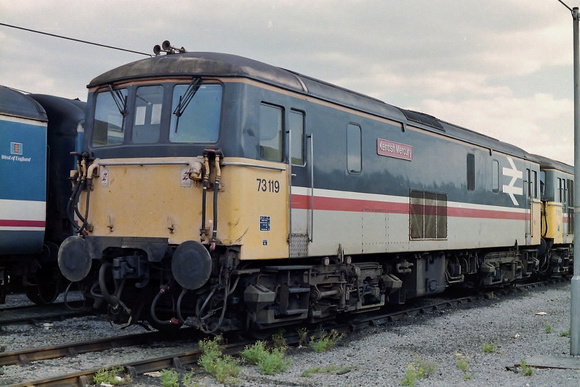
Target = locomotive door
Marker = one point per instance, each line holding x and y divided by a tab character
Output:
533	209
301	185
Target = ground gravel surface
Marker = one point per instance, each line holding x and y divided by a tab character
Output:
519	326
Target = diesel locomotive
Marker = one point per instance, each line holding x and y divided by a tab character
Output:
224	193
37	134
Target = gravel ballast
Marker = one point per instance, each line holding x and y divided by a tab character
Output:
520	327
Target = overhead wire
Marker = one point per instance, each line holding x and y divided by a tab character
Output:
74	39
565	5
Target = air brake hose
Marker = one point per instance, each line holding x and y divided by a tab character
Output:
172	321
215	201
204	195
71	207
113	300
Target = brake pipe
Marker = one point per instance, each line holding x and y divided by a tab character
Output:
90	171
216	188
204	195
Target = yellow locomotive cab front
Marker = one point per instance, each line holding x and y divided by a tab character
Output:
162	198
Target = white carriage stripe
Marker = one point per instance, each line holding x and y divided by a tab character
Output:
22	210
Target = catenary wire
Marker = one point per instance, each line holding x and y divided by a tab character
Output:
73	39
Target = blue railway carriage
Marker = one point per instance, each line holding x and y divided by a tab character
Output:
37	134
225	193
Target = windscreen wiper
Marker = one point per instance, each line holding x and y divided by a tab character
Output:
120	100
185	99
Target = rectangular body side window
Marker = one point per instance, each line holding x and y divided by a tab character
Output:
271	119
470	172
495	176
296	124
353	149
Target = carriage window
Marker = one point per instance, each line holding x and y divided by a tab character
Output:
353	149
196	112
296	123
109	124
271	132
148	103
495	176
470	172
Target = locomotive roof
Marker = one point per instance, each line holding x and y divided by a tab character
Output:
546	163
17	104
226	65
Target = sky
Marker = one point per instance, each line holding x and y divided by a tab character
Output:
503	68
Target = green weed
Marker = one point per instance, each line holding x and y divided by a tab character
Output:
547	328
169	378
188	381
526	369
463	365
269	362
565	334
223	367
111	376
278	339
489	348
419	369
302	336
325	341
411	376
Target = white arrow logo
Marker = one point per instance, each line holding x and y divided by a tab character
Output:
511	189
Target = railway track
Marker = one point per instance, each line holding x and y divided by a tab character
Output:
34	313
181	359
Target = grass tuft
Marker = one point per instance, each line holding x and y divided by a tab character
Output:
325	341
268	361
223	367
111	376
419	369
463	365
526	369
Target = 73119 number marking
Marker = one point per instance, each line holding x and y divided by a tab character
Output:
268	185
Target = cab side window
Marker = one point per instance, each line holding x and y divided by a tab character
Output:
296	123
271	118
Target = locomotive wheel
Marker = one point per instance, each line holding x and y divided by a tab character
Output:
47	281
48	286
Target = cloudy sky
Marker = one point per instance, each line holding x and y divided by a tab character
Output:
500	67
